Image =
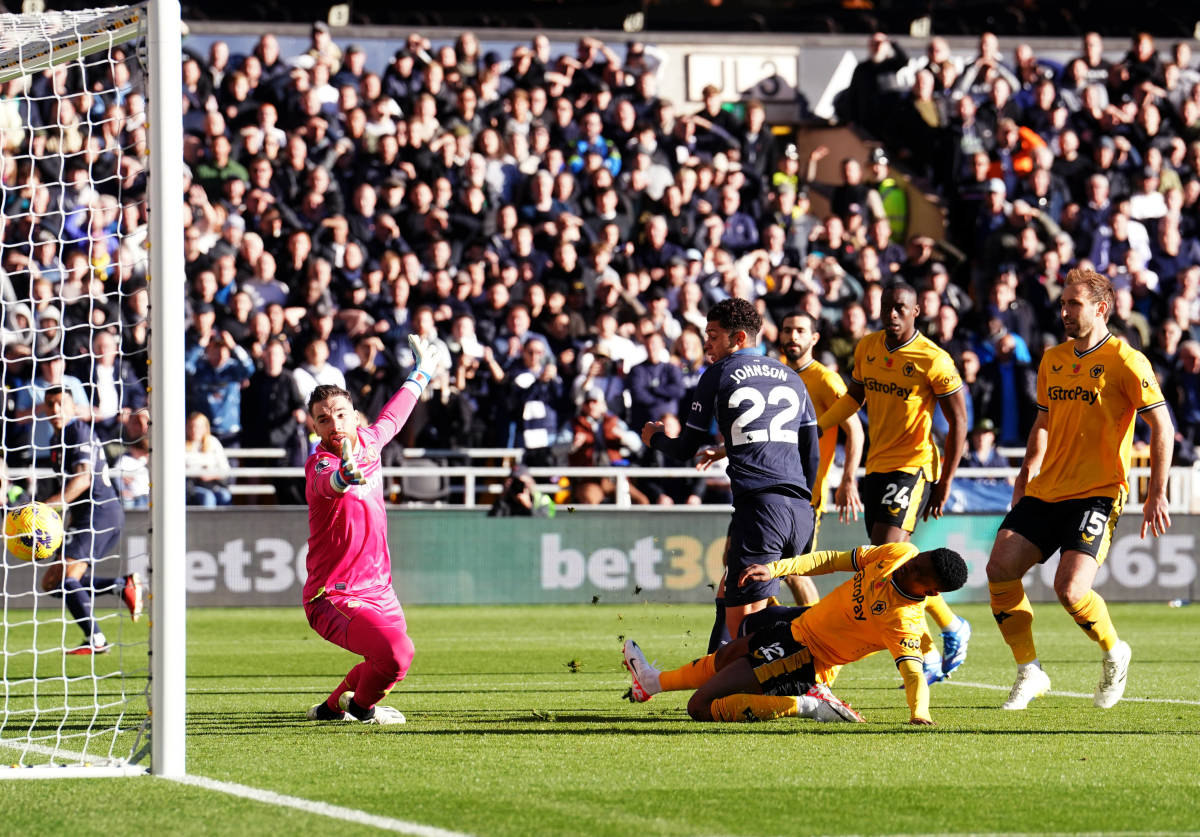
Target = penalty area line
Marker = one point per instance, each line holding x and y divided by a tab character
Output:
310	806
1059	693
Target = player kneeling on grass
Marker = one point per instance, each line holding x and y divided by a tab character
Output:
786	658
348	597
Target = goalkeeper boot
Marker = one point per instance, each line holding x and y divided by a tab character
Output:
644	674
132	595
1113	676
1031	682
96	644
954	646
381	715
826	707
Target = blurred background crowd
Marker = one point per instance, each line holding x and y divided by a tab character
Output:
558	230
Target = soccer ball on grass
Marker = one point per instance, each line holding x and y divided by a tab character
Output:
33	532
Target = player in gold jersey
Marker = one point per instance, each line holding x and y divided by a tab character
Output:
798	336
784	668
899	374
1073	483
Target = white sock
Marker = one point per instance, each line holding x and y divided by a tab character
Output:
1035	663
1111	654
954	626
806	706
98	640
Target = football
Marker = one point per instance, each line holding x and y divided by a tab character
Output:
33	532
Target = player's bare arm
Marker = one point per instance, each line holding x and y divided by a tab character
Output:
1156	517
1035	452
954	406
849	504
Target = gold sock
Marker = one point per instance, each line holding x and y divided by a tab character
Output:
936	607
1091	614
1014	615
753	708
691	675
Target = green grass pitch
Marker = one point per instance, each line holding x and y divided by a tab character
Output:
517	727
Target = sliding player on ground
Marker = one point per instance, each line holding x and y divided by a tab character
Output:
1089	390
898	376
348	597
784	668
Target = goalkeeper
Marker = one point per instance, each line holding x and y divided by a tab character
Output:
348	597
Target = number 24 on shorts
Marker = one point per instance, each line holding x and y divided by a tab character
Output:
897	495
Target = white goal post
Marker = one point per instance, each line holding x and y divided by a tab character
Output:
123	712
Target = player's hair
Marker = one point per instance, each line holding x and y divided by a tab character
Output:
323	393
735	314
949	567
899	286
813	322
1097	286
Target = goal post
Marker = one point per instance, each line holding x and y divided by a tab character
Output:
91	153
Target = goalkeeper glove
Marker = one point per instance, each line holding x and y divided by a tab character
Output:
425	361
348	473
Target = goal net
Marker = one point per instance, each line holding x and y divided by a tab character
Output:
80	305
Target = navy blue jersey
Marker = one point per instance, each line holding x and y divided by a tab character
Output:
75	445
764	413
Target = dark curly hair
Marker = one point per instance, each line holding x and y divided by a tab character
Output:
949	567
736	315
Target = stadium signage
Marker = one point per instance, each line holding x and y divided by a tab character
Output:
255	557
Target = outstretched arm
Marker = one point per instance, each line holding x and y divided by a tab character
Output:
400	406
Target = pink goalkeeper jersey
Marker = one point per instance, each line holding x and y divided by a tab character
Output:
347	541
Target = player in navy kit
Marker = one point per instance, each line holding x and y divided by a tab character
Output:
766	418
92	518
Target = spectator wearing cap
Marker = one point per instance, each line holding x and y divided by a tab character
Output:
321	46
215	382
893	197
600	438
982	493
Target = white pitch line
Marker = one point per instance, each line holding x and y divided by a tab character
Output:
1058	693
323	809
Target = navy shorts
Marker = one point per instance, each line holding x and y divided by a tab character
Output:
769	617
764	528
782	664
95	535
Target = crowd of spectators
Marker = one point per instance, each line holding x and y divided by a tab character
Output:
557	230
1044	166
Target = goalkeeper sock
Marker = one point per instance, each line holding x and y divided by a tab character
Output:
692	675
358	712
753	708
936	607
79	602
1014	615
1091	614
720	632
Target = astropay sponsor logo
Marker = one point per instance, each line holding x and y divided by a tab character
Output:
1087	396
